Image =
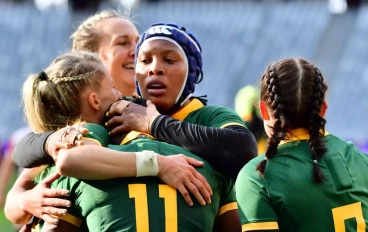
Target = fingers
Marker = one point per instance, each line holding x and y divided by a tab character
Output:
81	129
52	203
61	145
203	180
54	211
194	190
192	161
185	194
118	130
203	191
114	122
117	108
56	193
51	220
48	180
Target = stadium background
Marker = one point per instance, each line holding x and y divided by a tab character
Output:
238	37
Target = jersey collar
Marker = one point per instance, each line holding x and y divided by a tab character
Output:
298	134
193	105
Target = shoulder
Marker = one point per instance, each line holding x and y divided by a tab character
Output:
216	110
250	169
98	133
217	116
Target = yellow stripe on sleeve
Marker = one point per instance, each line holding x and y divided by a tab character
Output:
70	218
94	140
232	124
260	226
227	207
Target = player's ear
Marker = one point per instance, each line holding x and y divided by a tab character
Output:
94	101
324	107
263	110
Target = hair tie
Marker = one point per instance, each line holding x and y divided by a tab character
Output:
315	161
43	76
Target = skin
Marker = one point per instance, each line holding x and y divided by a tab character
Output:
269	119
161	62
116	50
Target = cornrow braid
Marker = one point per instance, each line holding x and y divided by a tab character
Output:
276	102
59	79
317	127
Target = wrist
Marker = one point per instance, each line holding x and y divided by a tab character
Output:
152	124
146	163
46	144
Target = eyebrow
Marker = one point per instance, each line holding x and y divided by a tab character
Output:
122	37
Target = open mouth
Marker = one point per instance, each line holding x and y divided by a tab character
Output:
156	88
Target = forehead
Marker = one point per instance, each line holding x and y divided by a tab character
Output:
158	45
118	27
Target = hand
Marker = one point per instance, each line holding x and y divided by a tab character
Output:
131	117
41	201
178	172
65	138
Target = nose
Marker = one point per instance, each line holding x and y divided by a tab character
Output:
132	50
155	69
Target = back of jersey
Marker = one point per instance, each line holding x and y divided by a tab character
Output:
147	204
339	204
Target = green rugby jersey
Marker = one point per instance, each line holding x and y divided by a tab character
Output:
287	199
212	116
143	204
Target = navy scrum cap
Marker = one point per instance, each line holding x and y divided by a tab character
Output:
187	42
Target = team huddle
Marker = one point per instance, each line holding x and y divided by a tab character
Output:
120	142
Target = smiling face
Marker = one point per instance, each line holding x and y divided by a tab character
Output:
161	70
116	49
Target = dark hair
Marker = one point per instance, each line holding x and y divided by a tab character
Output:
294	90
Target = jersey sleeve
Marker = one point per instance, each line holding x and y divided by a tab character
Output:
228	197
97	133
255	207
222	117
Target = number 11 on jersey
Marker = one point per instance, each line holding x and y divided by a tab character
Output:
139	193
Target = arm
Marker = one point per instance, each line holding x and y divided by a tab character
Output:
218	135
30	152
38	149
6	170
226	149
93	161
228	221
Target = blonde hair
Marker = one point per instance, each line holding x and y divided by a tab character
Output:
88	36
52	98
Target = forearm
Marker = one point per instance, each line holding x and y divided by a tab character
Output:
227	149
29	152
14	210
6	171
96	163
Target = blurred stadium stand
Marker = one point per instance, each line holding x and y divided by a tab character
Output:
239	38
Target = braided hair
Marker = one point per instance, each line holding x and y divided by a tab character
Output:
294	91
275	100
52	97
317	127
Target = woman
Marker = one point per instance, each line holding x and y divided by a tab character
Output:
98	203
308	179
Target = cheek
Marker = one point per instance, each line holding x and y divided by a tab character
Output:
177	78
